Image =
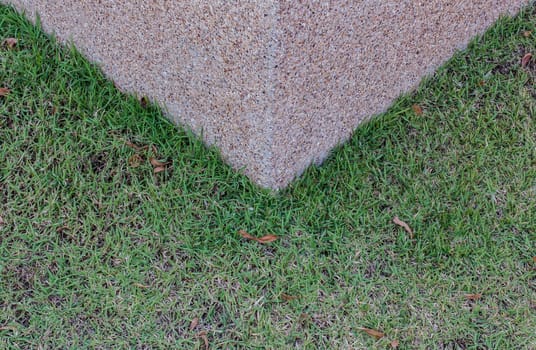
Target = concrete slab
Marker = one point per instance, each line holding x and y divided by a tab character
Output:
275	84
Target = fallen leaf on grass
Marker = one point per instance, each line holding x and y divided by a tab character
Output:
406	227
203	335
267	239
136	147
135	160
11	42
139	285
287	297
373	333
141	148
527	33
194	323
2	221
526	59
417	109
263	239
4	91
156	163
473	297
159	169
534	259
395	343
8	328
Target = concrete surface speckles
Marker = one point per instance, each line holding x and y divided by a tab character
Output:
275	84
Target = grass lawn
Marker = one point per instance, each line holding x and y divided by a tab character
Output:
98	251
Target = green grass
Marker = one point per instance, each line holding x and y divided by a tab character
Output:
97	253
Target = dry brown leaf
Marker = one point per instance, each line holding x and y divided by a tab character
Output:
287	297
194	323
246	235
417	109
139	285
203	335
132	145
11	42
526	59
406	227
527	33
267	239
135	160
156	163
534	259
159	169
372	332
395	343
473	297
263	239
4	91
2	221
7	328
136	147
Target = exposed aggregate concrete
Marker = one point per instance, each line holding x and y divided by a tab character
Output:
275	84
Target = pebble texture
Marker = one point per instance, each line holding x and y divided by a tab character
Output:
275	84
